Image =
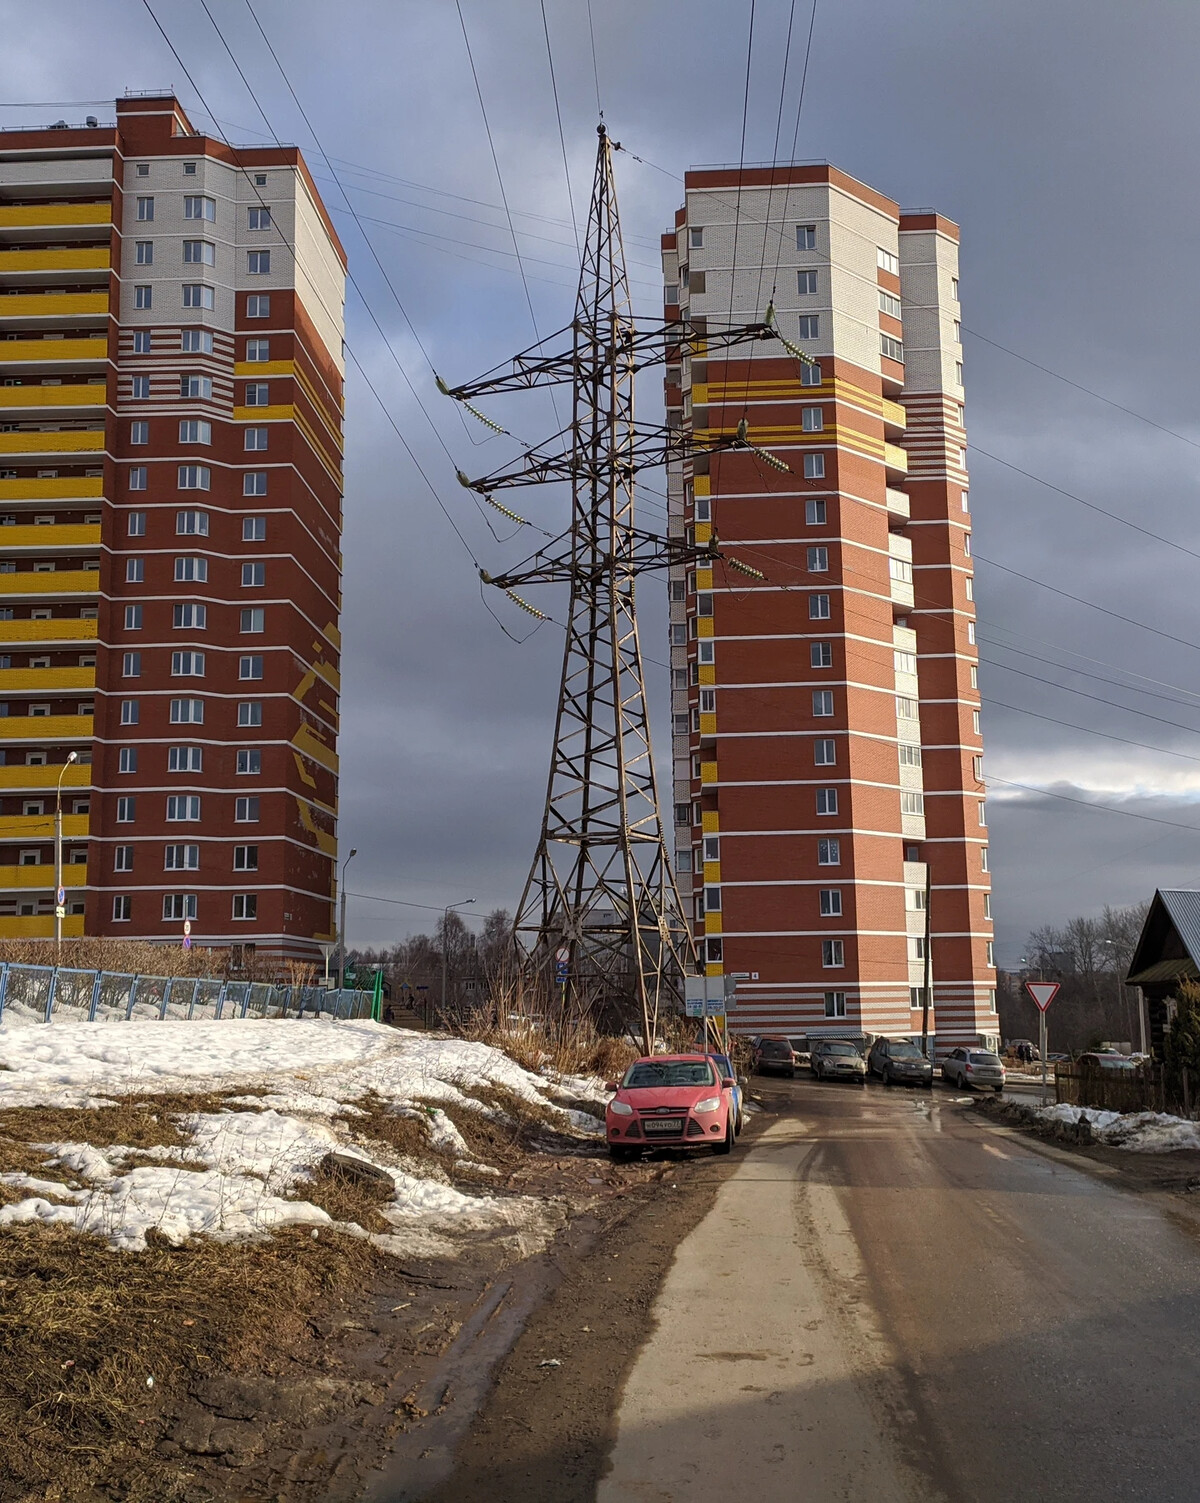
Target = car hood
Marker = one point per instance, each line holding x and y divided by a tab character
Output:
647	1098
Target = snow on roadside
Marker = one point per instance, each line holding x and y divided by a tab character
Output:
1138	1132
233	1177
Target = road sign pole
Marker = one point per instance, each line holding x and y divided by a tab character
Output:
1043	1046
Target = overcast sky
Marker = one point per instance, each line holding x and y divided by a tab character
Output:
1060	134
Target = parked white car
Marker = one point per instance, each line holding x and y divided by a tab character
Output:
974	1067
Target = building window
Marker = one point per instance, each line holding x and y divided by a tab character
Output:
140	388
806	283
190	617
829	852
122	909
257	395
696	238
683	814
971	632
814	467
906	709
969	587
245	858
245	905
142	341
258	305
258	349
991	953
137	524
196	342
706	652
712	900
831	902
254	483
822	702
258	263
713	951
250	712
191	570
255	438
181	858
135	570
260	219
191	523
185	759
123	858
254	529
827	801
886	261
139	433
835	1004
127	759
189	169
131	662
833	953
143	296
906	662
987	905
818	560
708	701
133	614
983	858
910	756
198	295
900	569
975	722
911	803
129	712
810	375
249	760
250	667
245	810
196	207
126	810
253	620
806	237
199	253
195	431
145	210
179	905
809	326
194	477
815	511
889	304
254	574
195	387
958	365
187	712
818	607
825	753
821	654
137	479
890	348
983	811
183	807
187	665
812	419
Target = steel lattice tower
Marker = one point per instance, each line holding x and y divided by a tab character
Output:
601	888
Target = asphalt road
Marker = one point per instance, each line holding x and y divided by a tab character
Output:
894	1300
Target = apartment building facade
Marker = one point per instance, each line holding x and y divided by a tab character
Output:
826	736
171	321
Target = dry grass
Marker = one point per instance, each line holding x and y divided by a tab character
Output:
346	1197
141	957
83	1327
380	1123
578	1050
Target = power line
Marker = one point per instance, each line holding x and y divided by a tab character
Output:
595	64
1089	804
562	140
787	52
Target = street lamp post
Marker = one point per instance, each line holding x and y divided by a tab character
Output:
342	926
58	881
446	912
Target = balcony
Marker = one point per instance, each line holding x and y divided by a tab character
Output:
895	461
36	307
64	488
48	442
68	630
895	418
898	504
23	878
33	263
45	729
53	351
35	779
52	582
51	681
708	773
34	397
33	828
708	727
49	536
53	216
40	926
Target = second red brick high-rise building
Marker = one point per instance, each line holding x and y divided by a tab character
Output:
827	751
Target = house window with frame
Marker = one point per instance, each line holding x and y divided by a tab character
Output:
250	667
198	388
138	477
812	419
983	858
122	909
254	529
191	523
809	326
123	858
181	858
185	759
245	905
258	305
131	665
196	206
145	210
714	951
825	753
891	349
187	665
835	1004
250	713
126	810
911	802
696	237
143	341
195	431
143	296
706	652
818	560
127	759
187	712
810	373
258	350
831	902
889	304
818	608
183	808
833	954
194	477
133	617
814	467
253	620
199	295
806	284
257	394
255	439
178	905
249	760
260	219
191	571
254	483
820	654
258	263
886	261
245	810
827	801
815	511
139	432
139	389
199	253
829	852
129	712
189	617
135	570
822	702
806	237
245	858
196	341
910	756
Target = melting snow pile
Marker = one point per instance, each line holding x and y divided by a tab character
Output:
234	1177
1140	1132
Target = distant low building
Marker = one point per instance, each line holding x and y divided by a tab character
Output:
1167	954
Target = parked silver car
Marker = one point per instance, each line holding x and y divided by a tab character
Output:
974	1067
835	1059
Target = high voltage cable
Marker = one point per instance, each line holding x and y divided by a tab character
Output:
562	140
737	218
787	52
595	64
1089	804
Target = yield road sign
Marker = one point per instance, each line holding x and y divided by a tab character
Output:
1042	992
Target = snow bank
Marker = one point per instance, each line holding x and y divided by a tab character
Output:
240	1167
1139	1132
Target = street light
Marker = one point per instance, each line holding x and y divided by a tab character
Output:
342	933
445	920
59	906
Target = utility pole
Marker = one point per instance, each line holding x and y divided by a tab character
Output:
601	885
342	926
446	912
927	988
59	893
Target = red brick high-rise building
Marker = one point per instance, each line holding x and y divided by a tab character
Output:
827	750
171	505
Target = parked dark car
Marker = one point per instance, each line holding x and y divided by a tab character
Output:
837	1059
773	1054
898	1061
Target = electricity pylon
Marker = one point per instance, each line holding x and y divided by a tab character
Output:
600	922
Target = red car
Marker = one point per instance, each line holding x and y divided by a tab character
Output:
672	1100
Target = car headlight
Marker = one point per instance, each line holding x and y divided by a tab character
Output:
620	1108
709	1104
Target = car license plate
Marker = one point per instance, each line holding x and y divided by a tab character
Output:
662	1124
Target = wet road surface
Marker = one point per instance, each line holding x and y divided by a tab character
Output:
893	1299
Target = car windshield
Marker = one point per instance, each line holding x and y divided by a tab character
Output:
984	1059
722	1063
654	1074
840	1049
905	1051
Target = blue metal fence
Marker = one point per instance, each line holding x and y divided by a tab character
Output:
48	992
